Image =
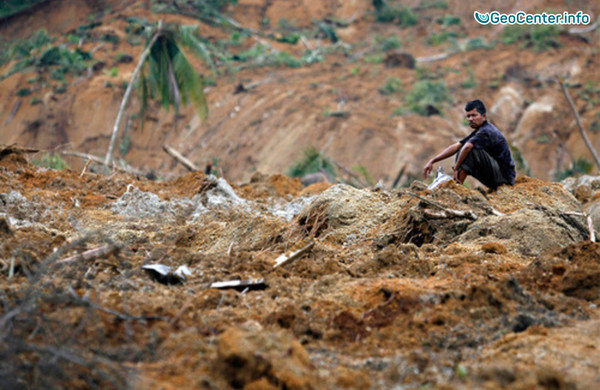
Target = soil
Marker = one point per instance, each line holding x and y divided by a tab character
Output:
483	301
410	288
266	128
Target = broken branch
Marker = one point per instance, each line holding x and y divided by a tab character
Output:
180	158
455	213
285	258
91	254
98	160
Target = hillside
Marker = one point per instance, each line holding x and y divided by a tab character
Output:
110	278
356	99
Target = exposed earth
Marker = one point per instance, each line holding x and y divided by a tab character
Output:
403	288
411	288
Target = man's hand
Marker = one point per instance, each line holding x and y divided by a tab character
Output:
427	169
455	176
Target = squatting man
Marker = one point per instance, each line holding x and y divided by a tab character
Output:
483	154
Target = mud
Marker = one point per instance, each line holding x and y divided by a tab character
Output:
400	290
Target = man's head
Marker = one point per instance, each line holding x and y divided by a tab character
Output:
475	113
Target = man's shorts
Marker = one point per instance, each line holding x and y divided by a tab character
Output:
483	167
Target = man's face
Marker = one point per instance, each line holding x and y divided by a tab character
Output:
475	118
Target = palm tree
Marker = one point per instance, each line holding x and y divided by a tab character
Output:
165	72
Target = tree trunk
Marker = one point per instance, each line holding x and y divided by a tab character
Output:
579	125
125	100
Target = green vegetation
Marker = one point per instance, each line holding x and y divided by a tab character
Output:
520	163
391	42
12	7
404	16
470	82
441	37
362	171
449	20
24	48
590	93
35	100
112	72
478	43
581	166
536	37
312	161
392	85
427	97
433	4
24	92
51	161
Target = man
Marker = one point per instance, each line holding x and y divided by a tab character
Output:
483	154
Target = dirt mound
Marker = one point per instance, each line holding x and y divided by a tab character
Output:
256	359
369	306
573	271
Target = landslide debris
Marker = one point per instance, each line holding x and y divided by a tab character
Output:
405	288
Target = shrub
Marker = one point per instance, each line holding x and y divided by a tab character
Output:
537	37
581	166
392	85
427	97
24	92
441	37
391	42
51	161
312	161
404	16
433	4
449	20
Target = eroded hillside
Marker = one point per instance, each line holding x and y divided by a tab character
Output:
337	76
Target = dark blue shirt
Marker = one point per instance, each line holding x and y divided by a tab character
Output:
490	139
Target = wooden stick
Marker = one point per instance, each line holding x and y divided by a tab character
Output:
578	121
399	176
284	259
456	213
98	160
91	254
350	173
591	228
180	158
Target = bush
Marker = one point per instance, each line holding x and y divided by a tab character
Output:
392	85
582	166
24	92
427	97
311	162
449	20
13	7
51	161
404	16
441	37
537	37
388	43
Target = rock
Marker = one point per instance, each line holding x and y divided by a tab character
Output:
249	356
532	132
399	59
507	108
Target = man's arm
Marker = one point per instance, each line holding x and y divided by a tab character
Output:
461	157
449	151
